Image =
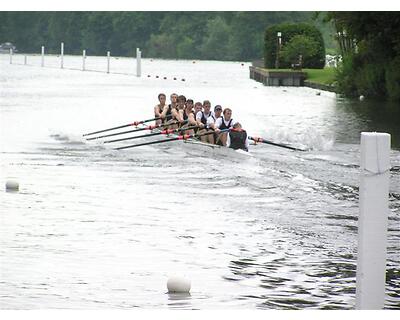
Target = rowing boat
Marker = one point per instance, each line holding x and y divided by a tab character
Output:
194	144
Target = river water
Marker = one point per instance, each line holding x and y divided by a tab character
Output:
96	228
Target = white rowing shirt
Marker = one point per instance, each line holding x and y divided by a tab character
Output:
199	115
218	122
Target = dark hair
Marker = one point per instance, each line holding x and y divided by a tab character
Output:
227	109
162	95
182	98
217	107
189	100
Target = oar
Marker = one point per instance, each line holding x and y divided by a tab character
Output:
256	139
123	126
183	137
130	131
168	131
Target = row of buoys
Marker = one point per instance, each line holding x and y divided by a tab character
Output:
165	78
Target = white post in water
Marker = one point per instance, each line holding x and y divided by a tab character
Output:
25	60
108	61
83	60
62	55
11	54
42	56
373	220
138	62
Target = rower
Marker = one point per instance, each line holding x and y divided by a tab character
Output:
198	107
211	120
161	109
172	106
187	114
237	138
201	118
222	123
177	113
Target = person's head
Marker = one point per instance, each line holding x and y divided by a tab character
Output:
174	98
198	107
237	125
162	97
189	102
189	105
217	110
181	101
227	114
206	106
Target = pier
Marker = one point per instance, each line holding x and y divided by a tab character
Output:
287	78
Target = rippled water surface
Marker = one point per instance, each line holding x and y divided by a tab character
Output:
92	227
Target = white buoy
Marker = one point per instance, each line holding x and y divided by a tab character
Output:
12	185
362	98
177	284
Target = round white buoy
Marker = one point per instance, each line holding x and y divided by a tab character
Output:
178	284
12	185
362	98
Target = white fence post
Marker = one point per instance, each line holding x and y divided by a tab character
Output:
373	220
108	61
11	55
138	62
42	56
83	60
62	55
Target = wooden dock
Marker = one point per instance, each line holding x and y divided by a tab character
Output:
278	78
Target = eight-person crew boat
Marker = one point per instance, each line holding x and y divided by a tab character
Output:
194	124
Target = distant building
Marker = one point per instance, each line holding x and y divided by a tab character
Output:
5	47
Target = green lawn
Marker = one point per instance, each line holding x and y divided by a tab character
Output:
323	76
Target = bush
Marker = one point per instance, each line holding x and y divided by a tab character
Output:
392	77
299	45
288	32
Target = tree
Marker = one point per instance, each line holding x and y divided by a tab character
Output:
96	37
300	45
370	48
216	42
288	31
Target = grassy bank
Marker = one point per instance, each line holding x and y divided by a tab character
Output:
324	76
321	76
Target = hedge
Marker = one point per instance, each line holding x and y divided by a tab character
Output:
288	32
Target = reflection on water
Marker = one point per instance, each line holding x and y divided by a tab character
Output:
92	227
369	115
